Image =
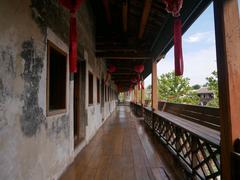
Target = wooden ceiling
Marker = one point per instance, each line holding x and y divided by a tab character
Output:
132	32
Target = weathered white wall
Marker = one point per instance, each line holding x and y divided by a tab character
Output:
32	145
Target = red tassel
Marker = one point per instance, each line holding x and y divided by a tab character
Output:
72	6
178	47
138	81
73	43
142	85
107	11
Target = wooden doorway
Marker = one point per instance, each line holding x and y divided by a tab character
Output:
76	108
102	98
79	103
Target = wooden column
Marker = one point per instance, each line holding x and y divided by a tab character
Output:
135	94
139	96
143	96
227	27
154	86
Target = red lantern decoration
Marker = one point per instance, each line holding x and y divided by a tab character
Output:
174	7
139	69
111	69
119	88
134	80
72	6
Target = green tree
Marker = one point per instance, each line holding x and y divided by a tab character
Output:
212	84
176	89
196	86
148	92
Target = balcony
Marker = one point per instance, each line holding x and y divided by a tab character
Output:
190	133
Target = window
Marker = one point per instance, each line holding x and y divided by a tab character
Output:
111	95
98	90
56	80
90	88
105	93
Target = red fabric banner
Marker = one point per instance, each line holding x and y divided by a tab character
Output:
72	6
178	47
107	11
138	80
142	84
73	44
174	7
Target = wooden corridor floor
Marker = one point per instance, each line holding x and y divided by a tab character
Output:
123	149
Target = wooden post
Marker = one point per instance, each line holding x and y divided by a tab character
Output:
143	96
135	94
227	29
154	86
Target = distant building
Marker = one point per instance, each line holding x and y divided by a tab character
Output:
205	95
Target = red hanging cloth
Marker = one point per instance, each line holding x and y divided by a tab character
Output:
73	6
130	88
107	11
142	84
174	7
139	69
178	47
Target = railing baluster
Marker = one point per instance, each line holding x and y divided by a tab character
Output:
178	136
194	148
199	155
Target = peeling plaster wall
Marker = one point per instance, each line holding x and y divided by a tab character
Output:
94	113
33	145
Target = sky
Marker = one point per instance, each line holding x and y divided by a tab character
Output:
199	51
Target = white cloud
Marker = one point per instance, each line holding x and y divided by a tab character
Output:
200	37
200	64
197	65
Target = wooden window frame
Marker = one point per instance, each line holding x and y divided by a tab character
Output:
98	91
57	111
105	93
90	104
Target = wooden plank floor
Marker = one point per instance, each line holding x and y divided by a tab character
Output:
123	149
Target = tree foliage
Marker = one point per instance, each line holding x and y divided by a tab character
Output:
176	89
196	86
212	84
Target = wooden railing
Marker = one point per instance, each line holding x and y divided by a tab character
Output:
137	109
194	142
206	116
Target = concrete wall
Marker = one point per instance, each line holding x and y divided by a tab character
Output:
32	144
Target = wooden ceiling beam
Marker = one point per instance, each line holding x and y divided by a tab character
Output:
145	15
124	73
122	80
124	56
125	15
117	49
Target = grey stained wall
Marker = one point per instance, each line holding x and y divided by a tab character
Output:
33	145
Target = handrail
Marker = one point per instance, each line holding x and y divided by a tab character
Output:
207	116
195	145
136	109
